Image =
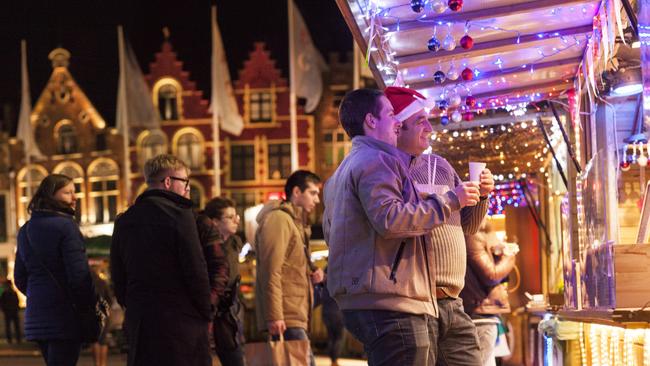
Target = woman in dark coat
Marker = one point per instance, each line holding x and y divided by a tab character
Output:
52	271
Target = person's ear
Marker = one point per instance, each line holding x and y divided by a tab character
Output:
370	121
295	191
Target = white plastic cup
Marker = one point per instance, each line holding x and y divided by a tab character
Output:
475	169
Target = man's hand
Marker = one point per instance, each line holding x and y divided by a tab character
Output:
276	327
467	193
487	183
317	276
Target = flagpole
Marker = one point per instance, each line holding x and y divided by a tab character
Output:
292	90
216	144
355	67
124	111
25	93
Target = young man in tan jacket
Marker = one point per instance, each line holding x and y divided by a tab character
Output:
285	274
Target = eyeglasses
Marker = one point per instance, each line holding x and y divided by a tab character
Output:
185	180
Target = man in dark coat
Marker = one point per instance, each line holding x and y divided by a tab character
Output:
9	305
160	273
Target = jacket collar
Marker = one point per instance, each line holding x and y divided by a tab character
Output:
373	143
169	195
47	212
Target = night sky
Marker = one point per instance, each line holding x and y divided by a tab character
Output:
88	30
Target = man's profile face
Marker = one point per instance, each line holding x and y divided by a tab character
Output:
415	135
387	127
178	181
307	199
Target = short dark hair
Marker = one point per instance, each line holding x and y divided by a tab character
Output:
44	199
354	108
299	179
214	208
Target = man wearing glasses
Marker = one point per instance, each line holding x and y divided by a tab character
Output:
160	273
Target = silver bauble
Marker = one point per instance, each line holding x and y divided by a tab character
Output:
449	43
454	100
456	116
439	6
453	74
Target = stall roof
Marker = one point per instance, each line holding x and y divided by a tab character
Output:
523	49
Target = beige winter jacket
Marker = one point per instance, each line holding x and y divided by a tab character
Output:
282	288
378	232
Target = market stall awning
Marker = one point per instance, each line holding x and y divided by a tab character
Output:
522	49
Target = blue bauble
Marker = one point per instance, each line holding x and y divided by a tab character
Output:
439	77
417	5
444	120
434	44
443	105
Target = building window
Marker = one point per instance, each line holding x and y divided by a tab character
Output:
75	172
153	144
242	162
188	149
261	108
279	161
66	137
3	218
104	191
168	102
336	146
196	194
28	181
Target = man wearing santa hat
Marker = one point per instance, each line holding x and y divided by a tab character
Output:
454	331
377	228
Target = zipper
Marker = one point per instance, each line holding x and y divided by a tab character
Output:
426	260
398	258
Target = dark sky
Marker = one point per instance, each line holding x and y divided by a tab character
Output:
87	29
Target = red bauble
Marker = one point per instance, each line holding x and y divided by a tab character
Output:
467	42
470	101
625	166
468	116
455	5
467	74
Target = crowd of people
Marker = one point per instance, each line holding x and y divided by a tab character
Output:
411	270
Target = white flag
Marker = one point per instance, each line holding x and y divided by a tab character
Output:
308	63
223	104
25	132
135	107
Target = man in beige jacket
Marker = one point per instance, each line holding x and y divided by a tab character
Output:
285	274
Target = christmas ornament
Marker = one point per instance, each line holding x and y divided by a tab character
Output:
438	6
417	5
625	166
467	74
455	5
439	77
456	116
467	42
449	43
442	105
434	44
452	73
454	99
470	101
444	120
468	116
642	159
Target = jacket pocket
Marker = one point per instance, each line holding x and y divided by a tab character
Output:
395	266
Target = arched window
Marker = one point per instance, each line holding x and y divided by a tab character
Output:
151	143
167	97
74	171
66	138
29	178
103	176
188	146
197	194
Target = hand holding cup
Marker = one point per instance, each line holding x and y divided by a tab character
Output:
467	193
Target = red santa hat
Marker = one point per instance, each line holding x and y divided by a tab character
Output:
406	102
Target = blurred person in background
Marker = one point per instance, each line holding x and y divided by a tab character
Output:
52	271
100	348
485	296
9	305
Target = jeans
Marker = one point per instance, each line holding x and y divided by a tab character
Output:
393	338
60	352
456	335
12	317
335	334
294	334
487	338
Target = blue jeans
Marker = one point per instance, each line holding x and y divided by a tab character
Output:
456	335
393	338
60	352
294	334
